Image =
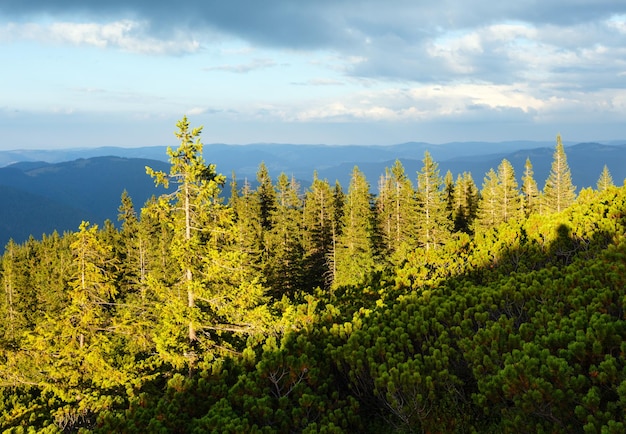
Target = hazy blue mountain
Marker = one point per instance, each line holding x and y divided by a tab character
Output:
585	160
23	214
40	191
37	198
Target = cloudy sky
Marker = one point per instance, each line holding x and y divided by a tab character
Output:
121	72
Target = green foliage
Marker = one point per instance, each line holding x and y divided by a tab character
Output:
530	193
606	180
433	225
396	209
354	250
196	316
559	193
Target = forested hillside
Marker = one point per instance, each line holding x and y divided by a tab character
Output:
38	198
438	304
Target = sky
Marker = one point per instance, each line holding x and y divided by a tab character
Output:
87	73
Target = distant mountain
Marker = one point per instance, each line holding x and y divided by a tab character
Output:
23	214
585	160
39	193
37	198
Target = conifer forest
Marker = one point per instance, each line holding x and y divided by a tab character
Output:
421	303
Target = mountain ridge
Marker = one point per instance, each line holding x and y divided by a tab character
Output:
92	186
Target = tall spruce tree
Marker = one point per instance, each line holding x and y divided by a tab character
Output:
488	205
214	294
433	225
355	252
284	266
559	192
320	227
530	192
266	196
395	210
465	204
508	194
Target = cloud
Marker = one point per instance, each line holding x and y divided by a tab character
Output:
124	34
430	42
398	61
243	68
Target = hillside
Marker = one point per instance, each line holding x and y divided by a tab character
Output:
39	197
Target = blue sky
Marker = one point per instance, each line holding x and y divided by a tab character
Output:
83	73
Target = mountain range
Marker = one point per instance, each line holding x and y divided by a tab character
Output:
43	191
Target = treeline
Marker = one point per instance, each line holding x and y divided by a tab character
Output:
430	307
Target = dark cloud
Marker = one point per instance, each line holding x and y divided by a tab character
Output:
323	23
392	40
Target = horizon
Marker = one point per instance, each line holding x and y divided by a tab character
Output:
538	143
121	73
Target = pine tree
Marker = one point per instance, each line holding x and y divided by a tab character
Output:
465	204
266	196
93	284
448	190
355	252
134	255
395	210
14	283
530	192
606	180
71	351
284	265
488	209
508	194
433	224
247	214
216	293
198	185
319	229
559	193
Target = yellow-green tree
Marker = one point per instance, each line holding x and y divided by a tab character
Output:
559	192
214	294
433	225
606	180
354	250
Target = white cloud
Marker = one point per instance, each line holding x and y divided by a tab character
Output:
242	68
127	35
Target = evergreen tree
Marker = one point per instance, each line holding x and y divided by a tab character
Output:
71	353
465	204
448	190
508	194
266	196
395	210
433	224
215	294
322	216
14	283
606	180
93	284
133	257
247	213
284	266
338	210
355	252
559	193
530	192
488	205
319	228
